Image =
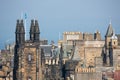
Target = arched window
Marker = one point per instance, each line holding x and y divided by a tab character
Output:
29	57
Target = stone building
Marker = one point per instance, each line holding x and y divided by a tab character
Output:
79	56
6	71
70	36
91	52
27	57
34	59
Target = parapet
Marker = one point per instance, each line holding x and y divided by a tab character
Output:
85	70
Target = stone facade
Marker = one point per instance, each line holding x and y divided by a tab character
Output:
6	72
79	56
69	36
27	57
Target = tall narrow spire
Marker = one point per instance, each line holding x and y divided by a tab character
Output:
17	26
17	32
37	31
22	32
32	30
109	32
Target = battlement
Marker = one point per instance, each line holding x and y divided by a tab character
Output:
51	61
85	70
81	36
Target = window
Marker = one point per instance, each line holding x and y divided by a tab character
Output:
29	57
29	78
114	42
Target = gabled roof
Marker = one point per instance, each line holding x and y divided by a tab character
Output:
109	32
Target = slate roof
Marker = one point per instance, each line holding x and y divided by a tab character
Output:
48	50
66	48
109	32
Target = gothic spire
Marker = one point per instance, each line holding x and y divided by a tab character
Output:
32	28
17	26
36	27
22	30
109	32
34	31
37	31
17	32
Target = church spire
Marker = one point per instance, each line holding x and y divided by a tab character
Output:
109	32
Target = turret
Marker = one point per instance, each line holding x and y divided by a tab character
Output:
17	32
37	31
22	33
32	30
20	39
97	35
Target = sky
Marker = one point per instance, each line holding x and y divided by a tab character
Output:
58	16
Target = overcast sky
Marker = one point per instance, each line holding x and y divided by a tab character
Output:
57	16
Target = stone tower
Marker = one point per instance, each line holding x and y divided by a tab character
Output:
20	39
34	31
111	42
27	62
20	32
97	35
